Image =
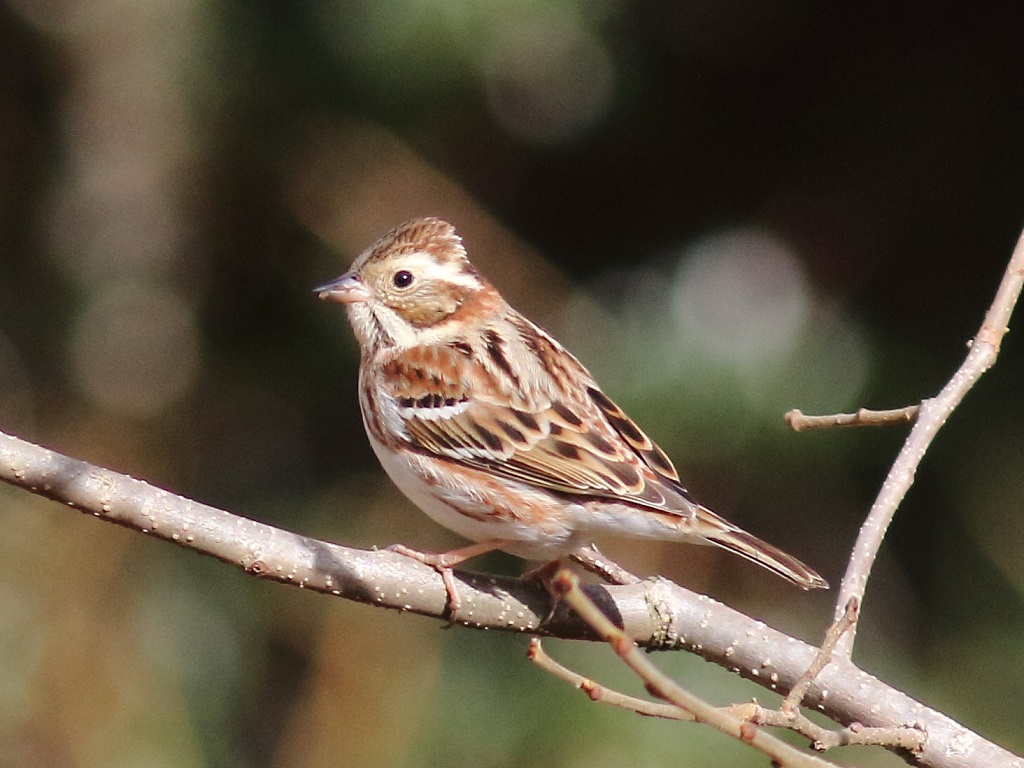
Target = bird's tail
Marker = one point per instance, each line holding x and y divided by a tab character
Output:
726	535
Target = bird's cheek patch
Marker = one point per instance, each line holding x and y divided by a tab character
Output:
424	310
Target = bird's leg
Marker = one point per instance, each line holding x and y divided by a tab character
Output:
592	560
443	562
543	574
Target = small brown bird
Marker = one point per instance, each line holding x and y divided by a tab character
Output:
497	432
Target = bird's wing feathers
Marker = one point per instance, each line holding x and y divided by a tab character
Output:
571	440
591	450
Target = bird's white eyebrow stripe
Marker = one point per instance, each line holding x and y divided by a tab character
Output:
464	279
448	271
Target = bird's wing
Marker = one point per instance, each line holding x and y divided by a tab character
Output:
574	441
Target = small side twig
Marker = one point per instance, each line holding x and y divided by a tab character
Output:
597	692
898	737
658	684
798	421
837	629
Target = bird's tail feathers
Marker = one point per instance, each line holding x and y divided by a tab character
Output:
726	535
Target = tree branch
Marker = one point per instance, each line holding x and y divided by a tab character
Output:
658	614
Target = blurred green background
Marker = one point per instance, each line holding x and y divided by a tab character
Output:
726	209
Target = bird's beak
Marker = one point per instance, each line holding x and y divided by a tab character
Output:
347	289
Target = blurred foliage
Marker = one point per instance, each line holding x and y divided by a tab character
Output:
726	209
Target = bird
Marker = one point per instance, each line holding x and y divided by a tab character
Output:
494	430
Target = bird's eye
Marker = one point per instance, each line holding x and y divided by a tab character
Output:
402	278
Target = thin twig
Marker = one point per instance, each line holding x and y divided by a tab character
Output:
824	655
660	685
799	421
597	692
933	414
903	738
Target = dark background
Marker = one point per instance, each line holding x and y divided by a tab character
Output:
726	209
